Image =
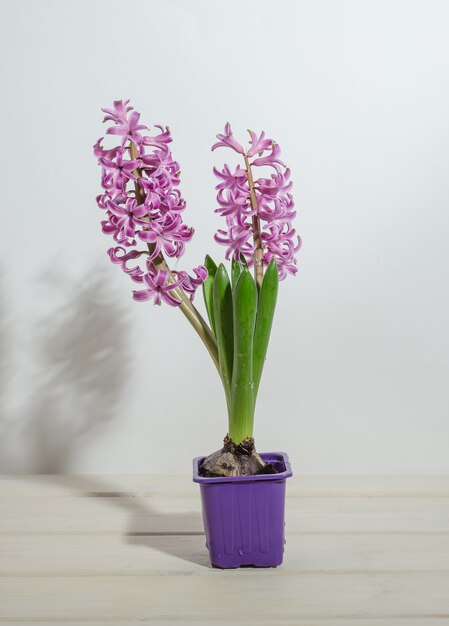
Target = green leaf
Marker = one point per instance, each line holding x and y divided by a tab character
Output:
222	299
208	290
242	391
236	270
265	313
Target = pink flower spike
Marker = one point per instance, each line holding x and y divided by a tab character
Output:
270	210
227	140
152	212
258	144
158	289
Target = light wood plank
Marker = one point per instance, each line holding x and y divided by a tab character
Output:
361	551
261	620
145	514
46	514
181	486
252	594
114	555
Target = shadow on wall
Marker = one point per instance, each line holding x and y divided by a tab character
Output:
80	362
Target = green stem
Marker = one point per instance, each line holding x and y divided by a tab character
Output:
198	322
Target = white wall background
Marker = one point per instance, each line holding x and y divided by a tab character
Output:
357	94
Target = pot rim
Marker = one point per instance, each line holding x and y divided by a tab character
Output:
266	456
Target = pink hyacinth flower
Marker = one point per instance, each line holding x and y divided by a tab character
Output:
158	289
227	140
258	144
128	129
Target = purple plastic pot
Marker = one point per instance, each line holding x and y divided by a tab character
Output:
244	515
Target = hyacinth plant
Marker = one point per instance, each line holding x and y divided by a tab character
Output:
143	213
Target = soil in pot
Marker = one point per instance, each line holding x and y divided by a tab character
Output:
235	460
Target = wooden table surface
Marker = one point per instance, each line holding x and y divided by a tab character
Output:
128	550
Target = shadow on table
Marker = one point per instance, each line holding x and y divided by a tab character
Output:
82	363
146	526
